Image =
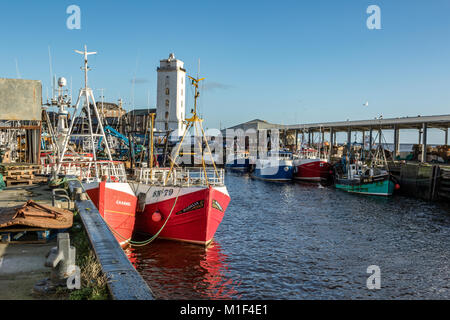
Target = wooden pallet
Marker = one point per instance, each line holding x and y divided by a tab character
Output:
25	235
18	172
18	182
20	177
19	166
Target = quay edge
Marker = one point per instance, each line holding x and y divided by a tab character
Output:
124	282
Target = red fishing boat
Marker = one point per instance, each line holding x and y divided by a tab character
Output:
309	166
116	203
184	204
189	208
105	182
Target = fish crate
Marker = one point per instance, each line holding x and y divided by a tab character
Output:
28	235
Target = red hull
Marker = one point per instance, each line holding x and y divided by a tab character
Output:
117	207
312	170
195	216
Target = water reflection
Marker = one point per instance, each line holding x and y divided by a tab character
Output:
303	241
177	270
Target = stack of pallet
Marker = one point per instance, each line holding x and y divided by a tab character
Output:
19	173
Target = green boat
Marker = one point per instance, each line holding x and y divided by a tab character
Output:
378	184
364	179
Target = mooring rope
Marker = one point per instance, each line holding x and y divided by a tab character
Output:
146	242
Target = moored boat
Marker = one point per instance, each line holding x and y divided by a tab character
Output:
105	182
188	207
308	166
312	164
183	204
115	200
276	167
369	181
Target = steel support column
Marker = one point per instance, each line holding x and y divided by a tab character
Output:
423	157
332	141
396	141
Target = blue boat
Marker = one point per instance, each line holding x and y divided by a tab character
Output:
276	167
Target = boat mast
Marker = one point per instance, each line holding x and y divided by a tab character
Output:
195	122
151	143
88	96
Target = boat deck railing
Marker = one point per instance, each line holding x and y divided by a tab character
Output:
86	170
183	177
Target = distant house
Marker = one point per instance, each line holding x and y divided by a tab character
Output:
139	119
112	112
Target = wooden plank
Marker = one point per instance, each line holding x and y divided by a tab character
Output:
19	166
6	230
28	242
124	282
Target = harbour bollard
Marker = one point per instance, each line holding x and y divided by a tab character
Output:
80	195
75	192
62	260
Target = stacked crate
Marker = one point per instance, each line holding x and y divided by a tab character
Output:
19	173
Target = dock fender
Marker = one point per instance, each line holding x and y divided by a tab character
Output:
141	202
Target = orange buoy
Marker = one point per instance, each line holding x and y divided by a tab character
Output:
156	216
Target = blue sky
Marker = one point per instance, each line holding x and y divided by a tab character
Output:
282	61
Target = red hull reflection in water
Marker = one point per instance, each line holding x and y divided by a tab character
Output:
175	270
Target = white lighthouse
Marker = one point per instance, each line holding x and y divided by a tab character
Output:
171	95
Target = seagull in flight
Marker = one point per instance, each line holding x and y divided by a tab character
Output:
366	104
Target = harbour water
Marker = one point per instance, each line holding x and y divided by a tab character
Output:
303	241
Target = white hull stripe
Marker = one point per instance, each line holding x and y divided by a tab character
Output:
154	193
300	162
158	194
